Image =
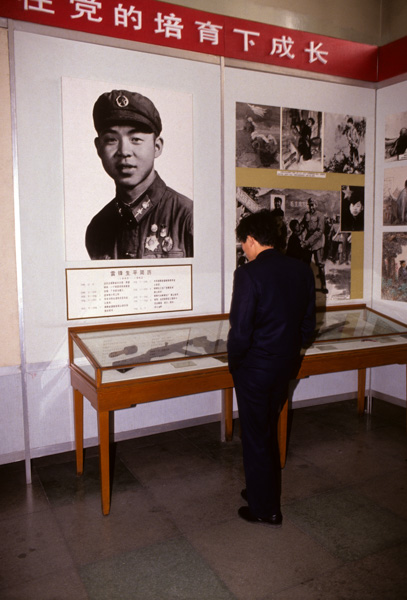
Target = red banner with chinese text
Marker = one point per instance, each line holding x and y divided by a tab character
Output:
169	25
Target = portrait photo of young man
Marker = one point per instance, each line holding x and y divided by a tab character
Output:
146	218
141	213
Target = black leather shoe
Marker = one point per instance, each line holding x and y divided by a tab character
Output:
243	493
274	520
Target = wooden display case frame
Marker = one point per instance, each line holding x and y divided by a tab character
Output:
107	392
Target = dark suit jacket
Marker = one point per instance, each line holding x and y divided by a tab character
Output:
272	311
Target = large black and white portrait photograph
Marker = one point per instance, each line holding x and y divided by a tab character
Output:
257	136
344	143
128	171
352	208
395	143
395	196
310	223
301	139
394	267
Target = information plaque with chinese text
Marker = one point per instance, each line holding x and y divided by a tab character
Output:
114	292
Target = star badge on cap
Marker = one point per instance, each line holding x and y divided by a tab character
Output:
122	101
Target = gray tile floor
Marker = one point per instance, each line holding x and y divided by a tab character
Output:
173	531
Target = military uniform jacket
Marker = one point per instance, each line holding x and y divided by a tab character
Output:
158	225
272	312
313	224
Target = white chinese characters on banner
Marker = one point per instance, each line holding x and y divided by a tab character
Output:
172	26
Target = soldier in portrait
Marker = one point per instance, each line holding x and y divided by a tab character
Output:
146	218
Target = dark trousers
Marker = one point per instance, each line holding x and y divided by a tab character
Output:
261	394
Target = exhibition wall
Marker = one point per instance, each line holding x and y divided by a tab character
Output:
390	226
59	184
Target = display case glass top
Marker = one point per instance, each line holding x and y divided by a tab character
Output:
137	351
160	348
355	329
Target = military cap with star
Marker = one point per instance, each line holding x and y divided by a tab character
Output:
123	107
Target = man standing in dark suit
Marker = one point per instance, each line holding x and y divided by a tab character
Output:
272	316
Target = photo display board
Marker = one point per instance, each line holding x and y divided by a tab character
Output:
309	165
63	184
390	254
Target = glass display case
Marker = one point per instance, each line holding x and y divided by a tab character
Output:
140	350
163	348
123	364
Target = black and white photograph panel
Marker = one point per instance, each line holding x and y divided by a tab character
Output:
301	142
395	143
310	223
395	196
128	171
352	208
344	143
394	266
257	136
315	236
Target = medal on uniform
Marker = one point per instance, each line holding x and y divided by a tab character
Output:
152	242
166	240
167	244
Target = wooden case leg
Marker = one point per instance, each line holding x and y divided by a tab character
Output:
361	390
282	434
227	416
103	421
78	420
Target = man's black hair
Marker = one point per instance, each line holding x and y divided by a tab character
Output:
294	223
357	196
266	228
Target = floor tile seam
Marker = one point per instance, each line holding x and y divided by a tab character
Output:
213	568
197	529
117	555
326	573
44	576
354	562
44	491
352	487
363	479
308	461
315	540
343	564
355	420
327	490
305	437
21	515
214	465
204	450
387	430
48	460
148	444
169	514
356	489
69	550
128	463
182	536
297	451
319	471
392	472
320	542
297	454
